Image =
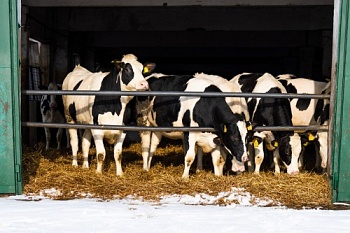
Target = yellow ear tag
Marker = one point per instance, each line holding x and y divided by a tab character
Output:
145	69
256	143
225	129
306	143
311	137
250	127
275	144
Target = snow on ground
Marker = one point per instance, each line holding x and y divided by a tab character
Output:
172	214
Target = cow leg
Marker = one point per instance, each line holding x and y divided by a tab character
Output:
85	145
259	157
74	145
218	162
100	151
155	140
145	147
48	138
190	154
251	156
59	137
199	159
276	159
323	140
118	146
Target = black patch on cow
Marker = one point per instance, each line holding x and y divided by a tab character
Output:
130	114
186	120
289	87
73	111
248	81
110	103
77	85
127	73
303	104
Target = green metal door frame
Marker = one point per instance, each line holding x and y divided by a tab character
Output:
10	134
341	136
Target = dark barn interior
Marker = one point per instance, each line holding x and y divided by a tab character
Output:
216	37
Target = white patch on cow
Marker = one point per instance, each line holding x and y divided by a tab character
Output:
323	140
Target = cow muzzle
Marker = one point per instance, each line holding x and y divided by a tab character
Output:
142	86
237	166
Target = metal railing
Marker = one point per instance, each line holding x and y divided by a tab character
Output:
174	93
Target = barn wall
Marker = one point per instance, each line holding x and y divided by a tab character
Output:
291	39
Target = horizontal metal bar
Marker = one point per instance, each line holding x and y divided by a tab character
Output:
176	93
168	129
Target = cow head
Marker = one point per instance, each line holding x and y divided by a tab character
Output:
289	149
233	137
53	87
131	73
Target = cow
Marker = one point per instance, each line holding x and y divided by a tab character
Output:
268	111
51	109
309	111
226	115
127	75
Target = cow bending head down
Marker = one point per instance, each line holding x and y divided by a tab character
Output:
102	110
269	111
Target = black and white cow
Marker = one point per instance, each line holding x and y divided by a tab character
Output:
99	110
269	111
51	108
309	111
225	115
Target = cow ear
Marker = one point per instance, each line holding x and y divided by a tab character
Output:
118	64
274	143
250	125
225	129
311	136
217	141
256	141
148	68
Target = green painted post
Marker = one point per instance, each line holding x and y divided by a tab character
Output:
10	135
341	141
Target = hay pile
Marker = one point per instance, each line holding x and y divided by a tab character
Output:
52	169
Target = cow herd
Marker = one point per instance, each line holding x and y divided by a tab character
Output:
233	119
